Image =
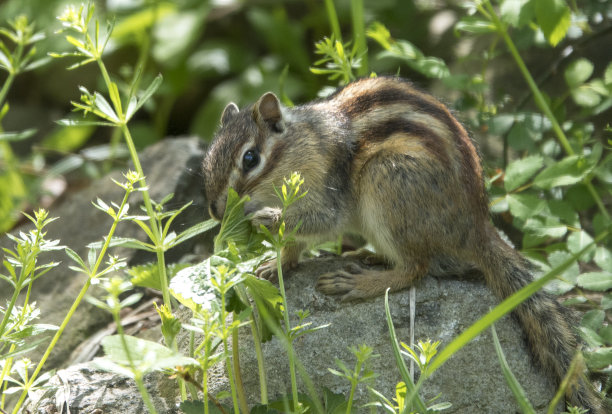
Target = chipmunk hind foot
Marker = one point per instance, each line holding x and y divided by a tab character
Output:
354	282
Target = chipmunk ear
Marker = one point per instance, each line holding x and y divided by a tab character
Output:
230	110
267	109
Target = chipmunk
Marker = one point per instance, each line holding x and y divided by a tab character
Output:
385	160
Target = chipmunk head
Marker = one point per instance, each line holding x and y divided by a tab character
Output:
243	155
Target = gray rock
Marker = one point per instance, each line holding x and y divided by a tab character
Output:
471	380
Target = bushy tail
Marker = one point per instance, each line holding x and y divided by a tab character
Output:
549	326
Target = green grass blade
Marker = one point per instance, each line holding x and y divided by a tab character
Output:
515	386
411	390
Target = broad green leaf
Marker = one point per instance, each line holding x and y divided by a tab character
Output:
579	240
500	124
525	205
554	18
598	359
566	280
603	258
196	229
564	212
68	139
608	75
546	227
516	12
265	294
515	386
147	275
569	170
520	171
586	96
147	356
599	281
578	72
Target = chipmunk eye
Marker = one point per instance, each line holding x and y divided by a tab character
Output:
250	159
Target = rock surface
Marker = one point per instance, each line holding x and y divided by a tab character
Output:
471	380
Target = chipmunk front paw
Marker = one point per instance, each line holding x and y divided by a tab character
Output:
268	217
268	271
343	282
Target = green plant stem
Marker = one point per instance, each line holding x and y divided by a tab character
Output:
333	19
228	360
294	390
359	35
93	274
263	382
539	99
161	263
5	88
145	193
146	398
242	400
354	382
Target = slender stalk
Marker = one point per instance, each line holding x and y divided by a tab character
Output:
228	360
263	382
333	19
146	398
161	263
5	88
354	382
359	35
539	99
294	390
242	400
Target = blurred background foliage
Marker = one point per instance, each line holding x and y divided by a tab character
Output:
213	52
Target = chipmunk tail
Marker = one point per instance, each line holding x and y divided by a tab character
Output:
550	327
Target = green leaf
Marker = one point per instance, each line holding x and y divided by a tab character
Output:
603	258
515	386
586	96
516	12
608	75
554	18
579	240
265	294
578	72
147	275
102	104
147	356
83	123
599	281
17	136
520	171
525	205
599	358
474	25
566	280
146	95
196	229
569	170
70	138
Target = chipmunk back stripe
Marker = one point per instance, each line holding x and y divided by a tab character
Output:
383	130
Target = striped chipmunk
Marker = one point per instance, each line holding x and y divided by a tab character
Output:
384	160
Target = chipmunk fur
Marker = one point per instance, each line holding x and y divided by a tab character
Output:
387	161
